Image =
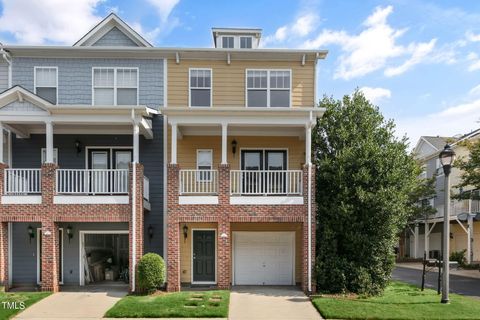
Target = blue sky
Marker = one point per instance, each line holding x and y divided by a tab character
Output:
419	61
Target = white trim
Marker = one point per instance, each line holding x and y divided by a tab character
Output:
294	254
133	223
165	83
262	200
110	150
263	149
240	41
211	163
90	199
38	255
165	192
198	200
191	255
115	85
26	199
268	88
35	80
81	241
203	88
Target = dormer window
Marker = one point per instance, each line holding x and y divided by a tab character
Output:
245	42
228	42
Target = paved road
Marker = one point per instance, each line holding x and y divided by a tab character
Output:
458	284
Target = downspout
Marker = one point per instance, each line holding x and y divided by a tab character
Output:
6	57
309	207
134	222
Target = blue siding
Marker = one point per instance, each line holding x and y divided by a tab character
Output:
24	254
75	77
114	38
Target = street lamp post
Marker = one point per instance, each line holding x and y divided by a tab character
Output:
447	156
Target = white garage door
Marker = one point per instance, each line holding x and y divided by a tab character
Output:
263	258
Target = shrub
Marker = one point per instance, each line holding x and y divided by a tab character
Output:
459	256
150	272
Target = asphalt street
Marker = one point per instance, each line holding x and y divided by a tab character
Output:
458	284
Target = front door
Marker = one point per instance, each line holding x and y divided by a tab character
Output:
203	256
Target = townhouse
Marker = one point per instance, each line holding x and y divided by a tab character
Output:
425	234
112	148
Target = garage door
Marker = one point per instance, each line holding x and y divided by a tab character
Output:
263	258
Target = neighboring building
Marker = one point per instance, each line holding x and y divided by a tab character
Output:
88	131
425	236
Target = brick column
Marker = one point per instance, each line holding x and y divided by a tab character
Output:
305	265
138	219
223	255
4	256
173	230
48	183
224	184
3	166
50	255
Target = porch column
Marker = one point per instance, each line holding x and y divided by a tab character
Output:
4	255
136	144
308	144
415	242
470	239
49	142
224	250
427	239
50	256
224	142
1	144
174	144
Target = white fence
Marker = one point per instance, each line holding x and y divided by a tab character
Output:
198	181
264	182
22	181
92	181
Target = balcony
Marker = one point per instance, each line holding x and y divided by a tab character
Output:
22	186
265	183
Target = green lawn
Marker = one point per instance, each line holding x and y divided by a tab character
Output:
400	301
26	299
186	304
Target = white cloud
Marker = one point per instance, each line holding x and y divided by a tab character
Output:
472	37
164	8
375	95
458	119
300	28
372	48
474	91
48	21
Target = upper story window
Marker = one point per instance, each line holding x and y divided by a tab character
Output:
245	42
268	88
115	86
228	42
200	87
46	83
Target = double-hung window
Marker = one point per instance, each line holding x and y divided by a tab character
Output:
245	42
200	87
115	86
228	42
268	88
46	83
204	162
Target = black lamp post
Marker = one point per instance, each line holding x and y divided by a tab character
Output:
447	157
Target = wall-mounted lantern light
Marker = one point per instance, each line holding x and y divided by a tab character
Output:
151	230
234	146
69	233
31	233
185	232
78	146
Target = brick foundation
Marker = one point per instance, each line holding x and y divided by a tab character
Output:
224	215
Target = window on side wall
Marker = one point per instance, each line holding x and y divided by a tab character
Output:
268	88
46	85
55	155
227	42
200	87
245	42
115	86
204	162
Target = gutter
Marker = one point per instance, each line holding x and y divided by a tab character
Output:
7	58
311	124
134	224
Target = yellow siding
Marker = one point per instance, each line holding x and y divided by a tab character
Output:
228	81
186	249
297	227
187	149
459	241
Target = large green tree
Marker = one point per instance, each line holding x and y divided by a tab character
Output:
470	170
365	179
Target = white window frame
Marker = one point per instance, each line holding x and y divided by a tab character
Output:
240	42
199	177
268	88
44	155
115	86
227	36
35	80
190	87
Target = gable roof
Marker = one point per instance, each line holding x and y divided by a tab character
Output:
429	145
103	27
19	93
437	142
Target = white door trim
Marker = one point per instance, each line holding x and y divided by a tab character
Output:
191	256
81	241
39	231
235	233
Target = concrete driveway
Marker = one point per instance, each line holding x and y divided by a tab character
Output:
90	303
265	302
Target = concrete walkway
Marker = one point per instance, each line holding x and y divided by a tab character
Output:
279	303
86	305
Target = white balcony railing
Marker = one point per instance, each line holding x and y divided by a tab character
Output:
146	188
198	181
264	182
22	181
92	181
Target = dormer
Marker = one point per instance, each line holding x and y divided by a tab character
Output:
236	38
